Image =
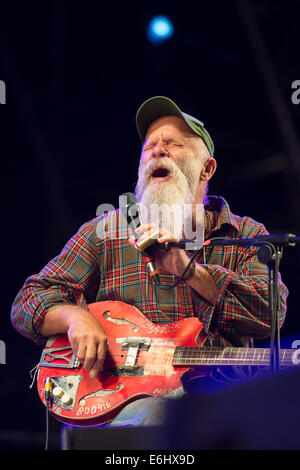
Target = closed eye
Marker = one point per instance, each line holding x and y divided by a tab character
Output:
148	147
175	143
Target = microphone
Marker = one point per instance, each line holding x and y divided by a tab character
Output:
131	211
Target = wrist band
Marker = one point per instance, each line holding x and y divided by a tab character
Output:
190	272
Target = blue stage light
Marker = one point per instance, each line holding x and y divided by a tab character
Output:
159	29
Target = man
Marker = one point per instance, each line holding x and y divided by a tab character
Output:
227	288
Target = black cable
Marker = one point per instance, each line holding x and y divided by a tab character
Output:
48	402
47	428
168	287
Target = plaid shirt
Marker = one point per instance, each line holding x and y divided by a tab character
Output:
99	264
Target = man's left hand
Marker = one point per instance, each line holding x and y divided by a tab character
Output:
174	260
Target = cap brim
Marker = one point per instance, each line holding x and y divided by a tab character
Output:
152	109
160	106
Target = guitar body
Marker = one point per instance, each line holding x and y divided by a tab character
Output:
138	364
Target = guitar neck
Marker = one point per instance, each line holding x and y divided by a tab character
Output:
228	356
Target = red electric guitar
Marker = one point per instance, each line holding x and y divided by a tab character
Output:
143	359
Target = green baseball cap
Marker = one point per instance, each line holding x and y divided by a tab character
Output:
159	106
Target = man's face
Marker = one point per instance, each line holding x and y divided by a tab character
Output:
170	152
171	136
171	162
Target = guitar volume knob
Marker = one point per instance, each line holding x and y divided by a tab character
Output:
66	399
57	392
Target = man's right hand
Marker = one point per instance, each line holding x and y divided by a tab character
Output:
87	338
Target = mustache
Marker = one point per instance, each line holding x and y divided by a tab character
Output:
161	163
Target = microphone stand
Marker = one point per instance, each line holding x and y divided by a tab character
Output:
270	254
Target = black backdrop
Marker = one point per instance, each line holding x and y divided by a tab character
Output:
75	74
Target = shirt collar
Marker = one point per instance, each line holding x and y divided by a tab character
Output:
219	205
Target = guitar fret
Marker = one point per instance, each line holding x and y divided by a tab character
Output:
194	355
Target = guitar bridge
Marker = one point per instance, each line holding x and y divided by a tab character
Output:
133	345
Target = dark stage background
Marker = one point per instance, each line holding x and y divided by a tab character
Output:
75	74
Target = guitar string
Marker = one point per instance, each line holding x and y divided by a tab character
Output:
197	355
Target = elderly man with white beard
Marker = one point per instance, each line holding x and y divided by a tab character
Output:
225	287
175	167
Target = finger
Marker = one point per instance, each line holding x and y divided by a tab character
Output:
98	365
132	241
146	227
168	237
151	234
90	356
80	353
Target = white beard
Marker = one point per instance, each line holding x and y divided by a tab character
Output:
168	204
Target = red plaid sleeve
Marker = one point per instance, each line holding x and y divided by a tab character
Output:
242	307
72	277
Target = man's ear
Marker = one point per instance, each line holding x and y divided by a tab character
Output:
208	169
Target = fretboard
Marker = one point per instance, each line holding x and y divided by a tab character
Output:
214	356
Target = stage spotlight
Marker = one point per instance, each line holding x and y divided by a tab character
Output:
160	29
